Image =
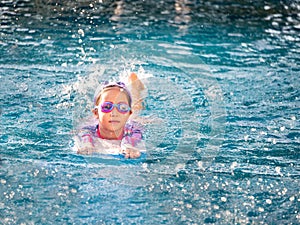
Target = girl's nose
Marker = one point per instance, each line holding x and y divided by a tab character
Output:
114	112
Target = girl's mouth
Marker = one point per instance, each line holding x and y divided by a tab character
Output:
114	121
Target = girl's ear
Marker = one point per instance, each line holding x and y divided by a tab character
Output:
95	112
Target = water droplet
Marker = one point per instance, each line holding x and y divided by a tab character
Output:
282	128
81	32
189	206
36	172
223	199
2	181
278	169
200	165
73	190
233	165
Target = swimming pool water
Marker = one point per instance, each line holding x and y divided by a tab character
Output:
222	110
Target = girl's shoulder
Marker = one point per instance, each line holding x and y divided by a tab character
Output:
133	134
90	129
133	125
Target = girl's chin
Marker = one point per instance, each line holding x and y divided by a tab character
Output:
114	128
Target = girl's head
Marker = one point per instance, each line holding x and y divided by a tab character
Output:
109	85
112	107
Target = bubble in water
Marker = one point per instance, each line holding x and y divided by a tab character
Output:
233	165
81	32
282	128
269	201
223	199
2	181
261	209
278	170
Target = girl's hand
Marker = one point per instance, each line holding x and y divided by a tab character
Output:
85	148
131	153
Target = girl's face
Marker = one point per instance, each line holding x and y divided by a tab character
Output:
114	121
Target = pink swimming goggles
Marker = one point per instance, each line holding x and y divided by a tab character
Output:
107	107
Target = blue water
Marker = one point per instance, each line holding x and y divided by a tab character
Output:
222	111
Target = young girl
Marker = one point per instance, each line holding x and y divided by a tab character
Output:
114	133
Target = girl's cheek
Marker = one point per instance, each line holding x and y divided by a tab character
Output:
101	117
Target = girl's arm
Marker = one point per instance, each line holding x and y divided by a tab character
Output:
137	92
132	143
84	142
